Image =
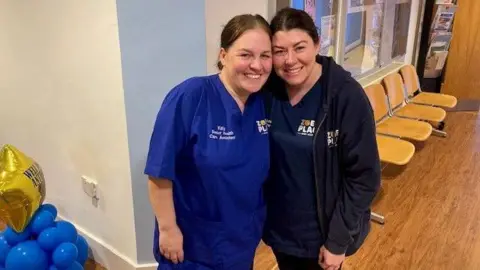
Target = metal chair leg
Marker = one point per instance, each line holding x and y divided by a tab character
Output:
377	218
439	133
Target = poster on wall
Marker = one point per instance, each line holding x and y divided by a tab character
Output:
327	38
355	6
310	8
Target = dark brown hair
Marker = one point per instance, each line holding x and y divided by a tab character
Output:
289	18
238	25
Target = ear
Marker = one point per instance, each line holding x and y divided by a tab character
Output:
222	55
317	46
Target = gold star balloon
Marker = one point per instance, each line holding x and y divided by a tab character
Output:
22	188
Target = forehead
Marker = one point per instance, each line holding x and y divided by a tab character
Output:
290	37
253	39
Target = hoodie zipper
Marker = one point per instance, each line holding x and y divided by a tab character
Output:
319	212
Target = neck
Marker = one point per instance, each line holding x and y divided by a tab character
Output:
239	95
297	92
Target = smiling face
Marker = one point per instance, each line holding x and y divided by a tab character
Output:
294	53
247	63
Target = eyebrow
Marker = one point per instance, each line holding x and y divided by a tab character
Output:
294	45
249	51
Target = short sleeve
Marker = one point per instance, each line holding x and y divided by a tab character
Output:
172	129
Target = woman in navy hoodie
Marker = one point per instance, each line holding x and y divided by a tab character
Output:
325	168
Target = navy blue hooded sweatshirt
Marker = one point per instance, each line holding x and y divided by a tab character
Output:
346	173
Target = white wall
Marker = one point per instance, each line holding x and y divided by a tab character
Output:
62	103
412	31
217	14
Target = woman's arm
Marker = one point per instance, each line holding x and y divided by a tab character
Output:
170	135
361	169
161	198
170	237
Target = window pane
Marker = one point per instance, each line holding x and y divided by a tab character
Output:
363	35
400	31
323	13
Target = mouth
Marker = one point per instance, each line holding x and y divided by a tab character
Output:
253	76
293	71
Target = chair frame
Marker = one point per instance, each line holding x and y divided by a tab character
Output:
408	98
436	130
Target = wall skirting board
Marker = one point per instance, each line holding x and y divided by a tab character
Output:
106	255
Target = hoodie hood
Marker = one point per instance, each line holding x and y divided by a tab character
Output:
333	78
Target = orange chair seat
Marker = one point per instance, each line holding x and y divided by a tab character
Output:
435	99
405	128
394	151
421	112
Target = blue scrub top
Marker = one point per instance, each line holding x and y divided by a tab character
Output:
218	160
292	225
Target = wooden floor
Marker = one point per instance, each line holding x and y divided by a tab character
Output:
431	206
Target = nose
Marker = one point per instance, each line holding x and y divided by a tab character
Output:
256	64
290	60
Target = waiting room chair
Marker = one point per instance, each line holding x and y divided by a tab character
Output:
391	125
391	149
396	97
416	95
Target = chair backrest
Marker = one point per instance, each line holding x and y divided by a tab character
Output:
378	100
410	79
395	91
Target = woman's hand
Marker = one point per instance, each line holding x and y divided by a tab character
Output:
171	243
330	261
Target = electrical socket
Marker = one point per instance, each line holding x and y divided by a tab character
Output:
90	188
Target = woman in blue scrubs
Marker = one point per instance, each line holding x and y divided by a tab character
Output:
209	157
325	168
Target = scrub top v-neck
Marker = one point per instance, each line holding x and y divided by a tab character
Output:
292	173
218	160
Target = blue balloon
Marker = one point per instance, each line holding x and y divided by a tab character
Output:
4	249
75	266
68	232
50	208
26	255
82	247
64	255
14	238
49	239
41	221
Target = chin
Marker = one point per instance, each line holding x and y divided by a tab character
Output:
252	90
295	80
253	87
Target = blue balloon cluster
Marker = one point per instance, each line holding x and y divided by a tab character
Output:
45	244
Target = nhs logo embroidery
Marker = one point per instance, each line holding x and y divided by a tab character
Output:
263	126
332	138
306	127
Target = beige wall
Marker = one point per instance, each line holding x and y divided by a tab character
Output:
62	103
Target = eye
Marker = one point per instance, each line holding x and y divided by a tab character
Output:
300	48
279	52
244	55
265	56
